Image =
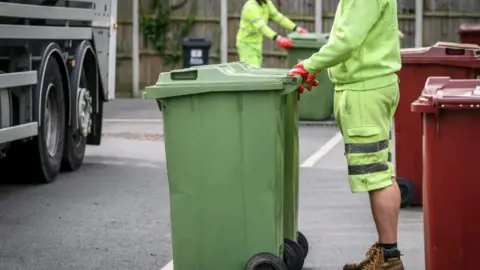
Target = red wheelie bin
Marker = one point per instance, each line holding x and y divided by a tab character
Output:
450	113
458	61
469	33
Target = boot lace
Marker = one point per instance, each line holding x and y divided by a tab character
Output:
375	256
371	250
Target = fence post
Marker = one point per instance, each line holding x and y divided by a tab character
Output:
418	23
135	49
318	16
224	31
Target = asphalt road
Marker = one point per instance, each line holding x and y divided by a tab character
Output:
114	212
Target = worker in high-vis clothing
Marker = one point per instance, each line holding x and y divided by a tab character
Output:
362	57
254	25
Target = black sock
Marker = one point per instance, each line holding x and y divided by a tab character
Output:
390	251
388	246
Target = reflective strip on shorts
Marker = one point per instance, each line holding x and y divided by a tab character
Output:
367	169
365	148
389	153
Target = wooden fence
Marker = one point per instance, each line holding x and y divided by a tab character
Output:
441	20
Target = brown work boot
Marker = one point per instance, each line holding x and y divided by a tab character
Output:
374	260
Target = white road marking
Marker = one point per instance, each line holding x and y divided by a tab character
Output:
320	153
122	163
169	266
146	165
146	121
108	162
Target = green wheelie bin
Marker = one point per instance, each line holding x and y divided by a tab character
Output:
315	105
291	169
224	140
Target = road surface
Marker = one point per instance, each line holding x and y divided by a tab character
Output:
114	212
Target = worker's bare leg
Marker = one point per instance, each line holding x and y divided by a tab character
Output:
385	204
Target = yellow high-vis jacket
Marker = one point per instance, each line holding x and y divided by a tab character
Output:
254	22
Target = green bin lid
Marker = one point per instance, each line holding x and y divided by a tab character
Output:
310	40
219	78
243	66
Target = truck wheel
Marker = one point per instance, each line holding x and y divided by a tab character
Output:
76	139
95	137
5	116
48	145
293	255
265	261
407	192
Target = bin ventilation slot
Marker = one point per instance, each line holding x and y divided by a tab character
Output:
190	75
454	51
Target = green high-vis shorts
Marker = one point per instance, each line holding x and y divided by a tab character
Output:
250	54
365	121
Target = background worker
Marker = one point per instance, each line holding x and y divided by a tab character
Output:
254	25
362	56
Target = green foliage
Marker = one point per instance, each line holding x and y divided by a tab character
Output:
156	25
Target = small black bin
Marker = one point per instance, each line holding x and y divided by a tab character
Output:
196	51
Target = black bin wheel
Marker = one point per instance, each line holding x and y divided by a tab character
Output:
303	243
265	261
293	255
407	192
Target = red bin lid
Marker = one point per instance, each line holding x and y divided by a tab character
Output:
447	53
468	28
445	93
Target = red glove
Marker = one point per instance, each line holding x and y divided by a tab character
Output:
283	42
301	30
308	78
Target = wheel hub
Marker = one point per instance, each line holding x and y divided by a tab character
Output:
51	123
84	112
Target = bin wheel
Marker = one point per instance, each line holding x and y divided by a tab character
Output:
265	261
407	192
293	255
303	243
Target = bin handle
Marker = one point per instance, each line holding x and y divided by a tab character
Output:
454	51
292	84
190	75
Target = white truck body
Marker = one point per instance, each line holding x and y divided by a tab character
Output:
57	68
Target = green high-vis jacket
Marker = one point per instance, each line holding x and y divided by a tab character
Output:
363	50
254	22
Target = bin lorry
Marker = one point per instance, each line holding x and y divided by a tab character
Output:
57	68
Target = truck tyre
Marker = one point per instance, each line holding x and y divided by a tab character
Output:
48	145
95	138
76	138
